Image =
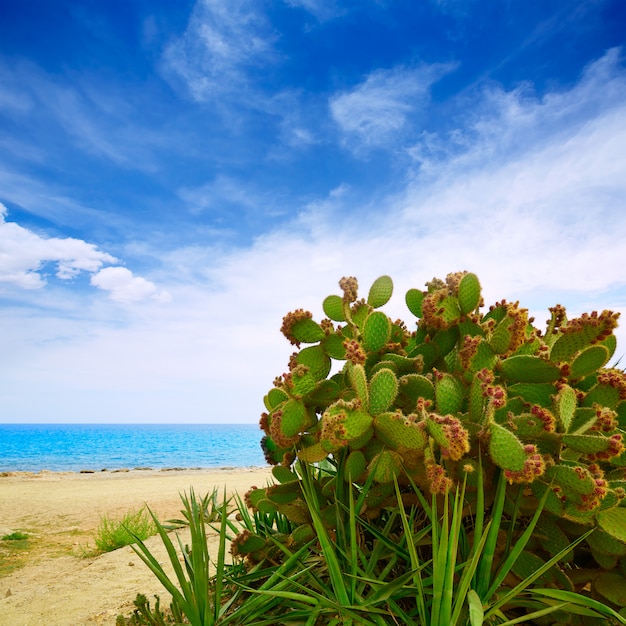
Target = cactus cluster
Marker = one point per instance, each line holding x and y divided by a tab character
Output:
422	402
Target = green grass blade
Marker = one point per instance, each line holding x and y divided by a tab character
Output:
483	575
576	598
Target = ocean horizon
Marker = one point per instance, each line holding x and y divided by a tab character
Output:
99	447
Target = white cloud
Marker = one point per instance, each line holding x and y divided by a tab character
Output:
23	255
124	287
373	112
223	42
539	216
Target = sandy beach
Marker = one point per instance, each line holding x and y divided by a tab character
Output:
49	581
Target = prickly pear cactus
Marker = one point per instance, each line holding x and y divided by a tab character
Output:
421	401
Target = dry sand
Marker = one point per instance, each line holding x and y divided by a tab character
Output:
50	582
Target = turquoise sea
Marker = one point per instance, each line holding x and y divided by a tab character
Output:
76	447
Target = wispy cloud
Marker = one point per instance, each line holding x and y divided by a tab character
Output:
222	45
374	112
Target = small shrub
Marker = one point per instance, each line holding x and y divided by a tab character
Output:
16	536
116	533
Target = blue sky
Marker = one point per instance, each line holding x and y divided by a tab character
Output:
176	176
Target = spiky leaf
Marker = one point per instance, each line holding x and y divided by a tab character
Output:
525	368
469	293
376	331
506	450
333	308
383	389
307	331
588	361
613	522
414	298
380	292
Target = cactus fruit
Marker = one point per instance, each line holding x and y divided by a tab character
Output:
461	389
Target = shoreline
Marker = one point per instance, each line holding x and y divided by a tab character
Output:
144	471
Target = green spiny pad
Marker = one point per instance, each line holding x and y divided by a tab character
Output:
382	365
502	336
315	358
446	340
357	423
449	394
533	393
610	343
360	311
621	414
605	561
247	542
325	393
469	293
485	357
584	418
405	365
612	587
414	386
505	449
355	466
528	563
613	522
383	389
307	330
283	474
295	418
333	308
552	538
476	400
571	478
395	431
376	331
587	444
569	343
604	395
525	368
527	425
553	503
255	495
313	454
302	534
358	381
333	346
428	351
356	443
303	382
266	507
274	398
284	493
565	406
296	512
449	311
385	466
602	542
380	292
589	360
413	299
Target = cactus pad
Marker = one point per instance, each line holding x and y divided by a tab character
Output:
376	331
383	389
526	368
380	292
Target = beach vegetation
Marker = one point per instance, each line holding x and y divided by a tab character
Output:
116	532
15	536
462	468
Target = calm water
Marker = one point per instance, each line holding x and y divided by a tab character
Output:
74	447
